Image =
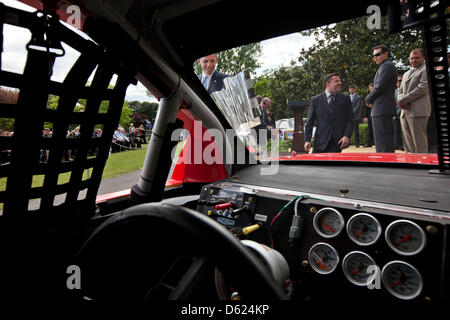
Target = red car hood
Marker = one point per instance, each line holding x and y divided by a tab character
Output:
423	158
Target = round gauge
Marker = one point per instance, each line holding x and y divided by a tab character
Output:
402	280
355	266
323	258
328	222
405	237
363	229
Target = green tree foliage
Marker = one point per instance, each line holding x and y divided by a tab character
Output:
8	96
126	117
147	108
233	61
345	48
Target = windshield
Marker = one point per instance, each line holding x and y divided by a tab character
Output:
344	89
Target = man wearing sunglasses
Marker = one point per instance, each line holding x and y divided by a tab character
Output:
382	100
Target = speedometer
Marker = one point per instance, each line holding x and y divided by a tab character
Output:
405	237
328	222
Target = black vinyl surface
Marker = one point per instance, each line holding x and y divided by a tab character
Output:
413	187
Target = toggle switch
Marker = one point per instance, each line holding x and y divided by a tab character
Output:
223	206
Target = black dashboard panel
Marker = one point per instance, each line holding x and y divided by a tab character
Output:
265	213
413	187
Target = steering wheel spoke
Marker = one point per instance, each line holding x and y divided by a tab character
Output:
182	280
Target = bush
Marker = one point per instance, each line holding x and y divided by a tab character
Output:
363	135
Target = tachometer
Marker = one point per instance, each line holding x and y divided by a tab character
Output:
328	222
323	258
405	237
363	229
355	266
402	280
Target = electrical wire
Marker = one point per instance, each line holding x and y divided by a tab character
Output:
298	198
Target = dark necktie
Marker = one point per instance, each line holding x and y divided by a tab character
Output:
331	103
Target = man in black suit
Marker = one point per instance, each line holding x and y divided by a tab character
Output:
267	120
211	79
357	105
382	100
368	119
334	115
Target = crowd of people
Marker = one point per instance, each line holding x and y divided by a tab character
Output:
397	110
135	137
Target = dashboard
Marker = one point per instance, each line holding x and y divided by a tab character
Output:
338	245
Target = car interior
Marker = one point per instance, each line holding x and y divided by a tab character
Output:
237	227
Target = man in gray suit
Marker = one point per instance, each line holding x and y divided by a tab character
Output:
414	99
382	100
357	105
211	79
334	115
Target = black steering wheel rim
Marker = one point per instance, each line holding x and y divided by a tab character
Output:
122	249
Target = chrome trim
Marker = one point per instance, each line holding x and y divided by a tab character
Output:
349	277
350	235
388	286
317	227
398	211
394	248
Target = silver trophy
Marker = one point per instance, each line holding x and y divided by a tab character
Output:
238	103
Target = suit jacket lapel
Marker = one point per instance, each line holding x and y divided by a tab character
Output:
212	82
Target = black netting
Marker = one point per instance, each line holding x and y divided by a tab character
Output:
27	156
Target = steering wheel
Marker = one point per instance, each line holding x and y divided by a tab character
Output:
157	251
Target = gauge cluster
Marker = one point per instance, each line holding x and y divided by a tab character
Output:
366	248
373	251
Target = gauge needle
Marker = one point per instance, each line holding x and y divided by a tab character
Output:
404	239
399	281
328	227
396	283
359	233
355	272
319	261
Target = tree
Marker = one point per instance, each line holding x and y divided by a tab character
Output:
345	48
8	96
126	117
147	108
233	61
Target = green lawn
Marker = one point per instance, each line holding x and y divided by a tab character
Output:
117	164
124	162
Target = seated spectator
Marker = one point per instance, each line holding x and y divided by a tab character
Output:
120	140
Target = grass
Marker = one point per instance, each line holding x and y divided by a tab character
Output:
117	164
124	162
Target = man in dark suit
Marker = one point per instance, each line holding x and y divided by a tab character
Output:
334	115
368	119
267	120
357	106
382	100
211	79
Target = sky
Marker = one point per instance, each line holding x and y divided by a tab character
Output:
276	52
